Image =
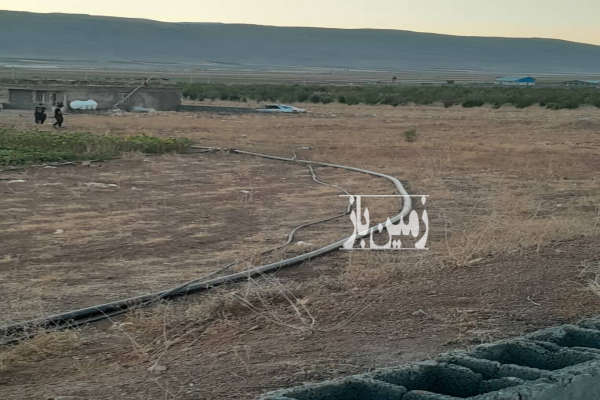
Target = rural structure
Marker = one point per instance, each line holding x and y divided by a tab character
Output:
104	97
583	83
516	81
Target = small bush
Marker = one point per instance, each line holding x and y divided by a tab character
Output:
410	135
473	103
352	100
315	98
326	99
524	102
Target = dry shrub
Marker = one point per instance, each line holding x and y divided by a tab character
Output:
153	332
263	294
280	303
40	347
591	271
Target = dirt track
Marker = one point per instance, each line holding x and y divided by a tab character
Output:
515	210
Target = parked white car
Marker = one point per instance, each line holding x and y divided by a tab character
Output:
281	108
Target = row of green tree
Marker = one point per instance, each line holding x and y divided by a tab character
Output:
467	96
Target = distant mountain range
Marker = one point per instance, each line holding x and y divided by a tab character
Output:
74	37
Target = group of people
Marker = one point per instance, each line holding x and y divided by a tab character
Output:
40	115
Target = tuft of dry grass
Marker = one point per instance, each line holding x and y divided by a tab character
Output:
43	345
375	269
512	222
154	332
591	270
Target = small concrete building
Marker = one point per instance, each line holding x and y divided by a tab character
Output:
516	81
106	97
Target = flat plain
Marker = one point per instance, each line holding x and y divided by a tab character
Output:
515	237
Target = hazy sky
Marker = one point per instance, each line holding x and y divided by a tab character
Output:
575	20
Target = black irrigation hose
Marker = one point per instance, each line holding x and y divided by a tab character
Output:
86	315
306	225
321	221
316	179
77	318
56	164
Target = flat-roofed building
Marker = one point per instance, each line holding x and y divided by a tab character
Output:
105	97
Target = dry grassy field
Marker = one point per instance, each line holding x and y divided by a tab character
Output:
514	246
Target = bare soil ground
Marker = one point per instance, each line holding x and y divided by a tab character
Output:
515	217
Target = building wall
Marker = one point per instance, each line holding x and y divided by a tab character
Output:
105	97
158	99
18	98
27	98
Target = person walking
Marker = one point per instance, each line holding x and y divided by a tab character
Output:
58	116
40	114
